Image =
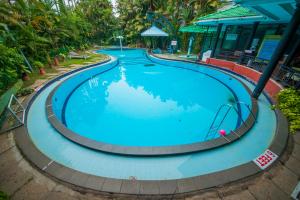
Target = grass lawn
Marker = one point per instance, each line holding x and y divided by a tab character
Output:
93	58
35	75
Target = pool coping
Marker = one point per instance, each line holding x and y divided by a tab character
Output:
155	150
161	188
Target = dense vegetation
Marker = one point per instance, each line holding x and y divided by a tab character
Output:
289	104
45	29
42	30
11	66
3	196
169	15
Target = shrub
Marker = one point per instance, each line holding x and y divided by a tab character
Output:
24	92
3	196
11	66
38	64
289	104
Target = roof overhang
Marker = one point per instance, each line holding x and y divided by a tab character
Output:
197	29
279	11
232	15
233	20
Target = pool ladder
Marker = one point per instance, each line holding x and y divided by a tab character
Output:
215	126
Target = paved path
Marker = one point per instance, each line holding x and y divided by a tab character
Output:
20	180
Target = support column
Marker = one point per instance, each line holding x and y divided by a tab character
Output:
204	36
223	38
254	28
289	32
293	52
217	38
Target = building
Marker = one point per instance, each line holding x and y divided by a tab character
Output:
255	33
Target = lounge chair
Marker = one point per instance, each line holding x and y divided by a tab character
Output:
73	54
156	51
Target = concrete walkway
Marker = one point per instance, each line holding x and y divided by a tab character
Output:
20	180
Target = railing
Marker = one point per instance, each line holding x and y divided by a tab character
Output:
288	76
226	108
14	114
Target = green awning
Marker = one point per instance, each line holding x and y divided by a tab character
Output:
233	15
197	29
236	11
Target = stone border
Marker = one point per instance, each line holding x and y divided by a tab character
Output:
147	188
151	151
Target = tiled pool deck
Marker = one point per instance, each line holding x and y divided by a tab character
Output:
22	181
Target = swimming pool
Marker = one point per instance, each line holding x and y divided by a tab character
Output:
142	102
224	163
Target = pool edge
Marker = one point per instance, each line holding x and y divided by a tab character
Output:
145	187
157	150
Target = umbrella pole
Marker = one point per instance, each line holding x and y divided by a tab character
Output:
152	43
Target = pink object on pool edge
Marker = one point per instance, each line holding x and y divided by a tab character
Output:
222	132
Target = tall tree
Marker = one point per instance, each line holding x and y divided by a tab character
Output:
132	14
100	14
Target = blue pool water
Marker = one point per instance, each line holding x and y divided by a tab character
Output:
77	157
139	102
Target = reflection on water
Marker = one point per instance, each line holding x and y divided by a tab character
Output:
136	102
146	106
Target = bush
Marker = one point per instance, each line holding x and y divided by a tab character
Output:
11	66
24	92
38	64
289	104
3	196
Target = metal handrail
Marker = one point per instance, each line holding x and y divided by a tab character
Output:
9	106
213	129
15	113
248	107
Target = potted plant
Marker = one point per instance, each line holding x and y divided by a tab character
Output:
56	61
24	73
49	60
62	57
40	66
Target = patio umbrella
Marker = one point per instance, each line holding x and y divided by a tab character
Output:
153	31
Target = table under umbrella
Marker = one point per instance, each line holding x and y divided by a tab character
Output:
153	31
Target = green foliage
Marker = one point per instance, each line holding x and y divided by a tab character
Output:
3	196
39	27
11	66
169	15
99	14
51	28
24	92
38	64
289	104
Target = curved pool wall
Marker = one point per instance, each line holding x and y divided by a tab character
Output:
241	94
63	93
69	87
85	160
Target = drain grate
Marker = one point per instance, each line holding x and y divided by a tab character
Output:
148	65
132	178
